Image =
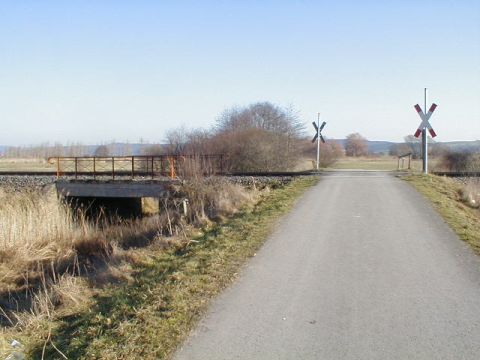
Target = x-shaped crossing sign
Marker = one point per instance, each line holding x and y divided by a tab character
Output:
319	131
425	123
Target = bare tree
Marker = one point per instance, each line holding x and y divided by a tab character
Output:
414	145
261	136
102	150
153	150
177	139
356	145
330	151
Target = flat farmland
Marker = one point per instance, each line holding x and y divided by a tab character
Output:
18	164
379	163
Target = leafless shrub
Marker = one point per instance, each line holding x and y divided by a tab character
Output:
460	161
213	199
330	151
356	145
260	137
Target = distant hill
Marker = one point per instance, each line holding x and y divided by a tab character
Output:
114	149
463	145
374	146
125	149
383	147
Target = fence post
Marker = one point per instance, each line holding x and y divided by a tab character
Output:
94	169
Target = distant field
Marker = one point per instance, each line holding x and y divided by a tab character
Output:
25	165
360	163
378	163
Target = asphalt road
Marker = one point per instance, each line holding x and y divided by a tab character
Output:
362	268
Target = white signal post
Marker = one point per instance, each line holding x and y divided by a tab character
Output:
318	142
318	136
422	129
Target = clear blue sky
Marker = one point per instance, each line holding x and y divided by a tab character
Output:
93	71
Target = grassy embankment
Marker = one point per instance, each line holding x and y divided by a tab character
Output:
168	286
457	203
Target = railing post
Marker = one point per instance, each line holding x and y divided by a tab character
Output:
172	168
152	169
133	167
76	168
94	169
113	168
58	167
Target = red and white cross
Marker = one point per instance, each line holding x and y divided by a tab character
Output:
425	123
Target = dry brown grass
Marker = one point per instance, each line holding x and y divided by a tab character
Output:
51	261
25	164
213	200
37	232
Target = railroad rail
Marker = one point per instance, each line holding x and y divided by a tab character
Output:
457	173
123	174
127	174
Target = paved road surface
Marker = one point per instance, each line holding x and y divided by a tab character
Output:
363	268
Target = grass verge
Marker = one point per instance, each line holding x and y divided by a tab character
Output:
149	317
447	198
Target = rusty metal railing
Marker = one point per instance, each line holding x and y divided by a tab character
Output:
142	166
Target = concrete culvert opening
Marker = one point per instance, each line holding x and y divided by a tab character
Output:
94	208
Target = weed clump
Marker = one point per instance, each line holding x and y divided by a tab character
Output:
470	193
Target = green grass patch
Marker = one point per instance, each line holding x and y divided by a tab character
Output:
150	317
445	195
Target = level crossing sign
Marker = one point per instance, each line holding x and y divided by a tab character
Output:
425	123
318	131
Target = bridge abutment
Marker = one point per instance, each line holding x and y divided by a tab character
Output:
127	199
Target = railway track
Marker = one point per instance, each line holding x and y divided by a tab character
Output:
254	174
140	174
457	174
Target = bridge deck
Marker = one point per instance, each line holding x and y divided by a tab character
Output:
113	189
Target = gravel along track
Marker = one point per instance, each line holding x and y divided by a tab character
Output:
19	182
14	182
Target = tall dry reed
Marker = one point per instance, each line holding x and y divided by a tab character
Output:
37	226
